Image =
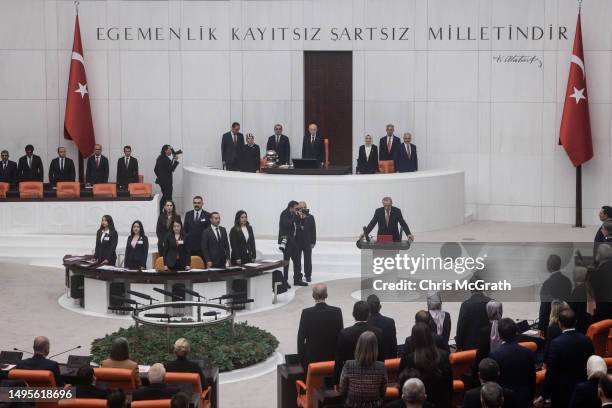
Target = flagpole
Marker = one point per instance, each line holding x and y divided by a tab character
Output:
81	158
578	197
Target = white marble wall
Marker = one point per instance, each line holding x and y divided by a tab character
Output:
498	122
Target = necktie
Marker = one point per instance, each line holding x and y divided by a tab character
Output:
234	137
29	162
277	140
218	236
127	162
197	215
4	164
62	165
387	216
389	143
409	150
312	139
97	161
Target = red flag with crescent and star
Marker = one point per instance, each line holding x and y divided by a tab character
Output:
78	125
575	133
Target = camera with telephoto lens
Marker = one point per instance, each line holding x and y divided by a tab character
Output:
177	152
283	243
305	211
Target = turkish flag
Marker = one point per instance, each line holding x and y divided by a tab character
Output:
78	125
575	134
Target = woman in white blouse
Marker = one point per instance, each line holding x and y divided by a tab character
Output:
242	240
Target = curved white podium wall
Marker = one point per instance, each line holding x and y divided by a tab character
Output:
342	205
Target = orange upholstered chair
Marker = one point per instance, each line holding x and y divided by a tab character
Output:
68	189
140	178
458	389
31	189
262	163
165	403
123	378
530	345
35	378
159	264
386	166
4	188
105	190
608	361
140	189
82	403
392	367
316	373
197	262
540	376
598	332
196	385
461	362
326	147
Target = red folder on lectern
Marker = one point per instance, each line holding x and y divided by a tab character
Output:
384	238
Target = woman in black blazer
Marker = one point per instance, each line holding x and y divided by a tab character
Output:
176	251
164	224
106	241
136	248
242	240
251	156
367	164
440	320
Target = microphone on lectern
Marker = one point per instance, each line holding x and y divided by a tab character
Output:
23	351
65	351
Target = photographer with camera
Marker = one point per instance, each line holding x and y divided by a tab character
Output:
306	237
287	243
166	163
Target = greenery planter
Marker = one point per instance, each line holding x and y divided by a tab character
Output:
248	345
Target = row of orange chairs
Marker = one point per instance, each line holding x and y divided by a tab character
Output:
101	403
113	378
601	336
72	189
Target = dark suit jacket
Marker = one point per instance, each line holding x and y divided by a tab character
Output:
250	159
213	250
403	163
127	175
472	318
314	150
10	174
306	233
287	226
154	392
395	218
283	148
55	174
174	249
383	152
241	248
194	228
91	391
438	340
601	281
230	152
347	340
566	366
184	365
387	326
164	168
107	249
585	395
552	332
517	371
438	384
367	165
136	257
578	299
471	399
320	326
25	173
557	286
95	175
38	362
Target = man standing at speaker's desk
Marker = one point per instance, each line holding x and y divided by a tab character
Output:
312	145
232	145
388	217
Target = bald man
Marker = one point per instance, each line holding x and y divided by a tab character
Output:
39	360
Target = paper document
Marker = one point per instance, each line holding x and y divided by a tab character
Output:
252	264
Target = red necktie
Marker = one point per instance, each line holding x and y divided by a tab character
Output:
387	216
389	143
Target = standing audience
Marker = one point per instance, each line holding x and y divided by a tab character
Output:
441	320
585	393
472	318
386	325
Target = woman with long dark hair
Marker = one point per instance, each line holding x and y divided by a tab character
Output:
136	248
106	241
164	224
432	365
176	253
242	240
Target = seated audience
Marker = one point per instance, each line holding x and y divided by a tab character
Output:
423	316
180	400
566	363
120	357
320	326
182	364
364	380
85	387
585	393
106	242
491	395
250	156
489	335
176	254
432	365
605	391
348	337
556	286
516	364
440	319
413	395
578	300
39	360
164	224
97	167
242	240
488	371
156	389
553	331
136	248
116	398
472	318
386	326
8	169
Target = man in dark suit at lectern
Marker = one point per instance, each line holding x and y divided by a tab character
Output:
312	145
387	218
97	167
8	169
406	156
232	145
388	144
280	144
127	169
367	161
61	168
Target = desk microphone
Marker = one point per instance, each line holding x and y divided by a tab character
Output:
65	351
230	296
193	293
141	295
23	351
170	294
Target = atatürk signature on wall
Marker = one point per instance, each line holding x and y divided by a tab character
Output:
518	59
